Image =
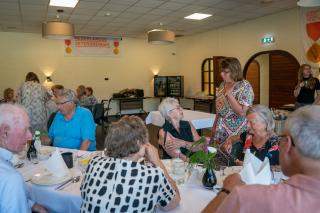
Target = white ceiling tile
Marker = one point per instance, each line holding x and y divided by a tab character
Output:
124	2
135	9
159	11
85	11
207	3
107	14
34	2
227	4
185	1
172	6
115	7
149	3
129	15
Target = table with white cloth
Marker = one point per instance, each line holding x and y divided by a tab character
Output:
200	120
194	197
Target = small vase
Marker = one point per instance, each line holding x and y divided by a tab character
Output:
209	178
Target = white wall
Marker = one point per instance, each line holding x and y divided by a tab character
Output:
240	40
23	52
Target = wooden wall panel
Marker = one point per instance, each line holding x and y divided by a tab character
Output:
283	79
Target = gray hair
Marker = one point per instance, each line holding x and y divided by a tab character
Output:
264	114
166	105
304	127
70	95
10	114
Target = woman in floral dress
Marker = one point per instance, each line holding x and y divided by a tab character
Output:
234	96
33	96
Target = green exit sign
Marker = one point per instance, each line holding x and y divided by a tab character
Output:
267	40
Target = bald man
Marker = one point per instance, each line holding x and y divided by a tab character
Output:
14	134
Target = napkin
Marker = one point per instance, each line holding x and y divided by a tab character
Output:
255	171
56	165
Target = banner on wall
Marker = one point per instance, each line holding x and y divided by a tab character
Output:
92	46
310	28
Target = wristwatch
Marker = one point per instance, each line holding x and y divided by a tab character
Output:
224	190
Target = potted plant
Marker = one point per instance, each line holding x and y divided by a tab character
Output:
204	157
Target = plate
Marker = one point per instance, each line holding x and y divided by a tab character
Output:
47	179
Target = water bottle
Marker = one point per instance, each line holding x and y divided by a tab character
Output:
37	141
32	152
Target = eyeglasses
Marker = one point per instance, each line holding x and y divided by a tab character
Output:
284	137
179	108
63	102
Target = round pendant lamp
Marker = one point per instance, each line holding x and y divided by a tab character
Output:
57	30
159	36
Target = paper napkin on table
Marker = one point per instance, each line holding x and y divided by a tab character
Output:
255	171
56	165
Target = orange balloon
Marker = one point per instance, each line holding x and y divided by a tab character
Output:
313	54
68	50
116	51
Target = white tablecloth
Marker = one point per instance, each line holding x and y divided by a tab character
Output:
194	197
200	120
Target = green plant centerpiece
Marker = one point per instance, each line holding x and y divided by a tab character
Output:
204	156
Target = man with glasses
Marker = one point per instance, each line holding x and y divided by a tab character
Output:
73	126
299	159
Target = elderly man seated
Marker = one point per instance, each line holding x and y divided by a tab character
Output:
14	134
73	126
299	159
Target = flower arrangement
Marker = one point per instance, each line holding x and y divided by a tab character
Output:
204	156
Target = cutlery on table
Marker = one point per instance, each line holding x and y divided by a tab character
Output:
68	182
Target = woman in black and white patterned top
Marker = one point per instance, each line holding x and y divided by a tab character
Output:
118	183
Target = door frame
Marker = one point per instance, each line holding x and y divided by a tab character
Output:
269	52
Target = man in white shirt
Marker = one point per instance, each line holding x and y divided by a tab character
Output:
14	134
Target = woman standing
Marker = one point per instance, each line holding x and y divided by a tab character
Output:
234	96
33	96
307	85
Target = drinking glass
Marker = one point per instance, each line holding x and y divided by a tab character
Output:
178	170
34	158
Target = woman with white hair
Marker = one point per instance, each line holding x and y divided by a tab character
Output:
259	137
176	135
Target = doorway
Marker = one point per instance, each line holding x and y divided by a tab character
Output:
278	77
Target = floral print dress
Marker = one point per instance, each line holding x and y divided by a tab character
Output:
229	123
33	96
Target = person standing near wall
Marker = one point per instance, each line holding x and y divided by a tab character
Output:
306	87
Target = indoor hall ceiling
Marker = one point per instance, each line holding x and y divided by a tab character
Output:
133	18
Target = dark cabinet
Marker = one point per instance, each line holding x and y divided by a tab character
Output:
168	86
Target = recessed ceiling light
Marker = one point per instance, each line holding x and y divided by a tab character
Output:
107	14
198	16
63	3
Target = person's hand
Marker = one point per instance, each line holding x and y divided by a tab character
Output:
228	89
151	154
232	181
239	162
227	146
173	143
302	84
39	209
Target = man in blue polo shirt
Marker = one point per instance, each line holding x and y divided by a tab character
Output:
73	126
